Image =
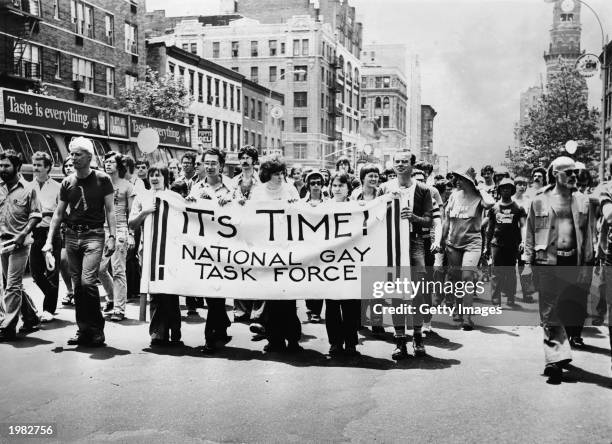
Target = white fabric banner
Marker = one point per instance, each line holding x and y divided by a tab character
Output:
269	250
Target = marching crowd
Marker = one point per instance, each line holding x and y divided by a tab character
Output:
87	229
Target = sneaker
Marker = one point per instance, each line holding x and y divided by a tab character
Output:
597	322
257	328
468	325
192	312
243	318
528	299
426	328
209	348
97	341
315	318
576	342
108	306
294	347
78	339
117	317
46	317
417	345
68	299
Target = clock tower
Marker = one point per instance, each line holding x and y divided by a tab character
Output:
564	36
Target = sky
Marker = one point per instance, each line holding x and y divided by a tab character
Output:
475	56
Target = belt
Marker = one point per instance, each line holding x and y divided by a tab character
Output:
79	228
567	253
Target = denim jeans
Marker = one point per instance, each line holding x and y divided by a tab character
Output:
15	300
417	267
84	251
503	276
47	281
115	285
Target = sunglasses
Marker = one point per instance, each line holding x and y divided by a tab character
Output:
570	172
315	183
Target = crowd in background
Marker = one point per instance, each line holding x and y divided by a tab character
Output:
462	227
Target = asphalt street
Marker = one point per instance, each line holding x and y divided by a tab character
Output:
480	386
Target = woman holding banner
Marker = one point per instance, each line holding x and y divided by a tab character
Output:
342	317
165	326
315	195
283	323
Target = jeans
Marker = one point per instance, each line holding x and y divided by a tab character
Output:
314	306
116	285
47	281
503	277
15	300
165	317
417	264
84	251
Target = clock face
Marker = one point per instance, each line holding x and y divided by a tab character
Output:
567	5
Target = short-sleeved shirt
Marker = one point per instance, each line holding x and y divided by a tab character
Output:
48	195
465	218
123	191
202	188
285	192
504	224
18	205
85	198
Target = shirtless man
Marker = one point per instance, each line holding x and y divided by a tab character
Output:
558	235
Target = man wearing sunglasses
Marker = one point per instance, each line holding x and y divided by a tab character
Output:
559	241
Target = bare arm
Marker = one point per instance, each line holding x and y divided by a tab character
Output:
56	220
487	200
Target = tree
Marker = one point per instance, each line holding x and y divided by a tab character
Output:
161	97
561	114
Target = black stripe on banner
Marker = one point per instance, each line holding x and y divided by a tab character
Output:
396	220
154	242
389	236
162	244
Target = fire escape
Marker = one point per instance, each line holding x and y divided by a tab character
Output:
20	66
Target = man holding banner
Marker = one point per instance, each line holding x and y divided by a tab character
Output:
417	208
211	187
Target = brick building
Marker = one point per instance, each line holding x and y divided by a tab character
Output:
300	58
564	37
261	128
73	49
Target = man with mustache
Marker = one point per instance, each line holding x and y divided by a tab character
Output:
538	177
559	240
20	212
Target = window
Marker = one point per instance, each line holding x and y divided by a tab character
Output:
238	130
305	47
567	17
386	82
282	48
235	69
253	138
171	68
191	86
231	134
255	74
82	17
235	49
224	135
58	65
130	81
109	26
194	48
246	106
185	46
232	97
110	82
300	73
363	102
386	106
377	103
209	91
200	122
272	47
200	87
254	50
259	110
253	109
238	95
225	95
246	137
378	82
216	92
272	73
300	124
322	74
322	101
83	70
216	47
56	9
299	150
296	48
29	66
364	81
217	133
131	38
385	122
182	73
300	99
282	73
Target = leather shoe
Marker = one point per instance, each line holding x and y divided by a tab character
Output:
78	339
209	348
7	335
335	350
294	347
554	373
29	328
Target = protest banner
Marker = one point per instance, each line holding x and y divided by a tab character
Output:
269	250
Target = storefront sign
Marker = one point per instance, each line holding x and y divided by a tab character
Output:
169	133
117	125
44	112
